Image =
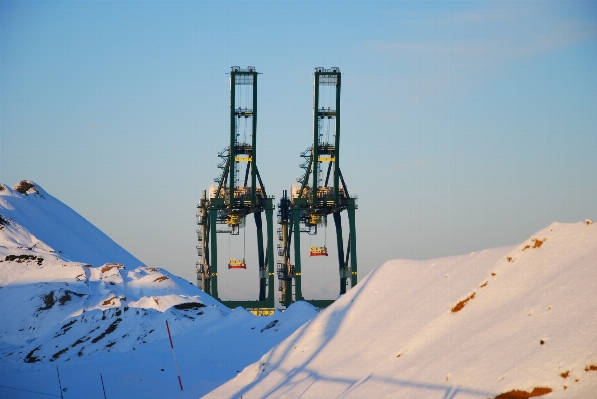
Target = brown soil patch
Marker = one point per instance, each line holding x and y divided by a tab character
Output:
526	247
493	274
565	375
538	243
24	258
151	269
588	222
25	186
509	258
516	394
484	284
591	368
461	304
109	330
57	354
189	305
106	268
163	278
79	341
49	301
30	358
108	301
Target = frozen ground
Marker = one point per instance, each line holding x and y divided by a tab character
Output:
505	321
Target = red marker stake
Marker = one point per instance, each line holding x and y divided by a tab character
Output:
174	355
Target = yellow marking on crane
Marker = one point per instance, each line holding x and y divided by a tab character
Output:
234	220
262	311
326	159
243	159
315	219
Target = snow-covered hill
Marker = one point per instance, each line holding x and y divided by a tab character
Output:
41	223
502	323
49	302
513	322
67	291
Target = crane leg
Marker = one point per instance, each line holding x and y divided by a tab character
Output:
352	248
269	210
338	223
213	214
260	255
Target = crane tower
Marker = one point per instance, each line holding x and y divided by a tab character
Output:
238	192
321	191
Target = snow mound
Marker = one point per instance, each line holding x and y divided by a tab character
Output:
42	289
497	323
31	219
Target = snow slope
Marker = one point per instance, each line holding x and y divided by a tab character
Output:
497	323
55	228
61	306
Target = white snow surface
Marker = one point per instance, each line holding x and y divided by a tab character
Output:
61	310
54	228
515	319
529	325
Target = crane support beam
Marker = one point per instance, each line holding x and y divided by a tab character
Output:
297	259
213	277
340	243
269	220
337	144
353	243
260	254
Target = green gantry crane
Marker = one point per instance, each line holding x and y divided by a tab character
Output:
239	192
317	197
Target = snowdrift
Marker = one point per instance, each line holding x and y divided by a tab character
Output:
511	322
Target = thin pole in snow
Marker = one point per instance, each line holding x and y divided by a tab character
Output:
174	355
102	378
59	382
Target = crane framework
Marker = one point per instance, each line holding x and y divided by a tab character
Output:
237	196
317	197
304	211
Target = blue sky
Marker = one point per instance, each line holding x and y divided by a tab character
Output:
465	125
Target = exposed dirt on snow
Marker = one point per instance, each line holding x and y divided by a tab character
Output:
26	187
49	301
23	259
517	394
189	305
461	304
